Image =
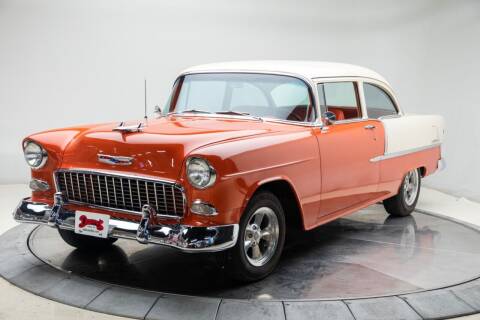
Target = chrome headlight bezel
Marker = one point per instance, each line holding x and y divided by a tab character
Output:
42	155
207	169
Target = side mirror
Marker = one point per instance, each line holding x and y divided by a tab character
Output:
157	111
330	117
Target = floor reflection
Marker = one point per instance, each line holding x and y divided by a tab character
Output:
365	254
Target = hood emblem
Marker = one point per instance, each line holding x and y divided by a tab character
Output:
114	160
127	129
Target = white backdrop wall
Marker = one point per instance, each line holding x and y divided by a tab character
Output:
68	62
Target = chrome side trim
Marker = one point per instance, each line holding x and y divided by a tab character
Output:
182	237
227	176
404	152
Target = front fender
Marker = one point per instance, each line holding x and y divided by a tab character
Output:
244	165
54	142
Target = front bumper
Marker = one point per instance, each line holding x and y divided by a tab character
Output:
183	237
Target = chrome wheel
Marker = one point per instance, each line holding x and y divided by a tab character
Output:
410	187
261	236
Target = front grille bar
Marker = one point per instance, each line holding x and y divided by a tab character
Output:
119	192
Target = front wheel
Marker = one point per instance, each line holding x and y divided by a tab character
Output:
405	201
85	242
261	238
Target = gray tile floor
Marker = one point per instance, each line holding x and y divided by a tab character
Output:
18	265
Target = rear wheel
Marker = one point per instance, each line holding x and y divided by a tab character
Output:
85	242
405	201
260	241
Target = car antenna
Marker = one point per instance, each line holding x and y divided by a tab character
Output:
145	85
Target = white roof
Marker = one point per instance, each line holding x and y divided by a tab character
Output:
307	69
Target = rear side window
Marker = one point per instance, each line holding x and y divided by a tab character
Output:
378	102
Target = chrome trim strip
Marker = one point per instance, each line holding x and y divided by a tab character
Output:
182	237
404	152
226	176
265	119
143	177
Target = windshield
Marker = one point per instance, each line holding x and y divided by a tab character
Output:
259	95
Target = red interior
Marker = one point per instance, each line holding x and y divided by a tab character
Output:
343	113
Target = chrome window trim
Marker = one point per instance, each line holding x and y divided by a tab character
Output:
355	81
404	152
308	81
351	121
214	115
247	118
360	80
114	174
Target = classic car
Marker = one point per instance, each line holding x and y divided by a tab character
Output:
243	154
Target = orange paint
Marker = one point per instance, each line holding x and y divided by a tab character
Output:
329	170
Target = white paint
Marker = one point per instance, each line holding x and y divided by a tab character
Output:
411	132
306	69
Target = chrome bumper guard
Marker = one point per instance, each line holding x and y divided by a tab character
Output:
183	237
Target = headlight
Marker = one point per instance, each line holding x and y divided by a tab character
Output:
200	173
35	155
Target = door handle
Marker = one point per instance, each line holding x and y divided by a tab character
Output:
369	126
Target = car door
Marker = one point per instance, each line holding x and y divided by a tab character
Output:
346	147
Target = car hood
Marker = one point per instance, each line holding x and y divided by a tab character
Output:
161	146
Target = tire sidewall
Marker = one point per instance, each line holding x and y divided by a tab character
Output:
242	267
410	208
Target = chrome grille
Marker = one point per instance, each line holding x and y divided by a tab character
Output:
120	192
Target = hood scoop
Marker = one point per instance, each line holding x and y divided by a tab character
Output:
127	129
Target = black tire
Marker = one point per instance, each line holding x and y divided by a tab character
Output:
399	205
82	242
238	266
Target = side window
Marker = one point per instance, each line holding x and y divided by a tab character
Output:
340	98
378	102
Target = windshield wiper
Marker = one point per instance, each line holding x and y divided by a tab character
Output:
193	110
237	113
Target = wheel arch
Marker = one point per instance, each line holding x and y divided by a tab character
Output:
284	190
423	171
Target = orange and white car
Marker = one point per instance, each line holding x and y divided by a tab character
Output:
243	153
